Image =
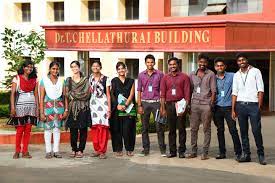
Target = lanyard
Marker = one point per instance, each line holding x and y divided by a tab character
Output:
244	80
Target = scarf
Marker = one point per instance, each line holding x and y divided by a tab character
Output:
97	86
79	96
27	85
54	91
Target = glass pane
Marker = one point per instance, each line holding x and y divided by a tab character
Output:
244	6
133	67
94	10
132	9
179	7
58	11
196	7
26	12
216	1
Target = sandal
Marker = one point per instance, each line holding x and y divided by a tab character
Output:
95	155
118	154
130	153
26	155
102	156
79	155
72	155
16	155
57	155
48	155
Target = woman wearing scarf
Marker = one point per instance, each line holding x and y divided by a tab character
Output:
53	109
100	105
24	106
123	123
78	94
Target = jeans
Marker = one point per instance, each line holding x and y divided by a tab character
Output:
220	114
250	111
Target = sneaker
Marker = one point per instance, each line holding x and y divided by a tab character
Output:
163	153
57	155
144	153
221	156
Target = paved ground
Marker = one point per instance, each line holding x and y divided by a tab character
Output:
140	169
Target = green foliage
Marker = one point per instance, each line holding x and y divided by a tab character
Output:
4	110
4	97
17	45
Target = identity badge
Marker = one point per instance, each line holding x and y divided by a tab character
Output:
150	88
222	94
174	91
198	89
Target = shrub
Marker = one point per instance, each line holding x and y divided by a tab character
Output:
4	97
4	110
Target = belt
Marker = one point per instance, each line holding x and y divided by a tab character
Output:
247	103
150	101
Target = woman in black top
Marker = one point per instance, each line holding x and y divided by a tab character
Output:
123	121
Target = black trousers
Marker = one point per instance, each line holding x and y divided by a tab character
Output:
145	118
250	111
220	114
82	134
123	131
173	122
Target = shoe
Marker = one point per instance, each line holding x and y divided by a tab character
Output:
57	155
79	154
262	160
238	157
171	155
144	153
26	155
181	155
102	156
119	154
204	157
163	153
130	153
221	156
72	155
190	156
245	158
48	155
95	155
16	155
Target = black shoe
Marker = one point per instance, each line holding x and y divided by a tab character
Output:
238	157
262	160
245	158
171	155
221	156
181	155
144	153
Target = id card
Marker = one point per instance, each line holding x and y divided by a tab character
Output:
150	88
222	94
198	89
174	91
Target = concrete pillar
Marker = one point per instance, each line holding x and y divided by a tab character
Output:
272	82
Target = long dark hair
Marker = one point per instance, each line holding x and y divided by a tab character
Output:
78	64
53	63
33	74
120	64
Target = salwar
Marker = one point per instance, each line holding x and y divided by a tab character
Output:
123	130
100	136
82	134
56	140
23	133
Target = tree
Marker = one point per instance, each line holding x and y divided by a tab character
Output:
17	46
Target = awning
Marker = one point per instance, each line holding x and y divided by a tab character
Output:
213	9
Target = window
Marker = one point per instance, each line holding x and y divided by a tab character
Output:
132	9
94	10
244	6
60	60
133	67
58	11
26	12
188	7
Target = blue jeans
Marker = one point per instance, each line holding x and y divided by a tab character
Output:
250	111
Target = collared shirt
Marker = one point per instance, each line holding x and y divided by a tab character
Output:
202	88
149	85
224	90
175	88
247	85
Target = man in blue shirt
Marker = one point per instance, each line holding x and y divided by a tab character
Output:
223	110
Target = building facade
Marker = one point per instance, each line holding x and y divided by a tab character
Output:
127	30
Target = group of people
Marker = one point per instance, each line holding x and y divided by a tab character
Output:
105	105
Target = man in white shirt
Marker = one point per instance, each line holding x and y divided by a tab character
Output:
247	101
